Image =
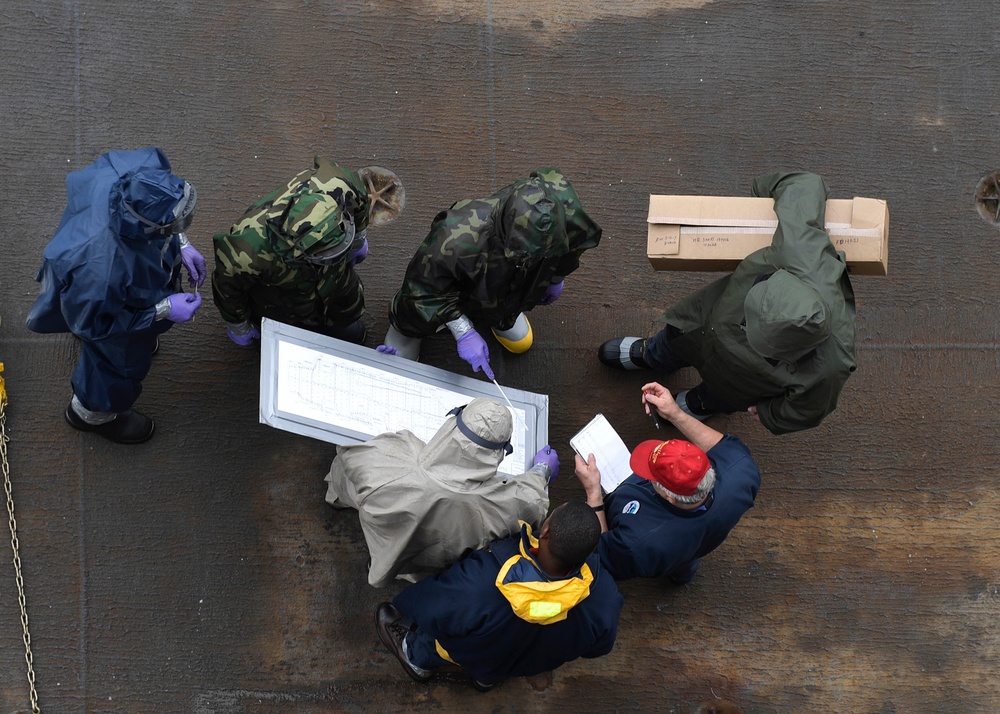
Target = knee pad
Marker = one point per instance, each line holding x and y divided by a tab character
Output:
406	347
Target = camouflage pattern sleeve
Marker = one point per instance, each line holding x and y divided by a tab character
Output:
241	258
446	267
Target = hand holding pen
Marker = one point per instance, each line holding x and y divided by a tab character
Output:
650	412
658	402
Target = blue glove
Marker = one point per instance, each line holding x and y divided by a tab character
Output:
183	306
387	350
472	348
359	255
548	456
552	293
243	340
195	264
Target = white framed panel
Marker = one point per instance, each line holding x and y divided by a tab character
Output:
342	393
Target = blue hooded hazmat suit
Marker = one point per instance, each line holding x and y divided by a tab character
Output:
104	272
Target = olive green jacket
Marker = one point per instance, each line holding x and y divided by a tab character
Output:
788	396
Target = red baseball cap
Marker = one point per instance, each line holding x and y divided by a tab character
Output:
677	465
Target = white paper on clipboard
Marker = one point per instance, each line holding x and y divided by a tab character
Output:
600	439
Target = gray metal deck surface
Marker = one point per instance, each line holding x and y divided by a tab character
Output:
202	572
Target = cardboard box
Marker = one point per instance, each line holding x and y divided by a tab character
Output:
716	233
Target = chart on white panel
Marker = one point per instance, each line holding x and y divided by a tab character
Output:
342	393
360	397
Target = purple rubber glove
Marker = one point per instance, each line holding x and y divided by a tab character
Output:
183	306
243	340
387	350
548	456
359	255
552	293
472	348
195	264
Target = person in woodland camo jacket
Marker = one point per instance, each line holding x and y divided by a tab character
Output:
292	256
491	260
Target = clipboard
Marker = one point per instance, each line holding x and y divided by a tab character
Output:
600	439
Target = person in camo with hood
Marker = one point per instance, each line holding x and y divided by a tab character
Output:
775	338
422	506
292	255
492	260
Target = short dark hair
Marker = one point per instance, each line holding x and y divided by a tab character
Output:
574	530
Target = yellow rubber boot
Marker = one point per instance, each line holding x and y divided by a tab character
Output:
518	338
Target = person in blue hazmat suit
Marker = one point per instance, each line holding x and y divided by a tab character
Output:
111	275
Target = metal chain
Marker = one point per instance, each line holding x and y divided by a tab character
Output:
14	545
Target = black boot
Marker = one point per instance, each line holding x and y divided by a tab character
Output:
128	427
623	353
392	632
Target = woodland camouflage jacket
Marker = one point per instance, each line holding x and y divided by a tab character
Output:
259	265
492	258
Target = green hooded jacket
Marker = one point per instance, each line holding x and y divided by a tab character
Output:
493	258
260	266
803	315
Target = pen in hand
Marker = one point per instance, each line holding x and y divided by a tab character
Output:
651	412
